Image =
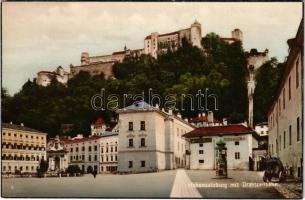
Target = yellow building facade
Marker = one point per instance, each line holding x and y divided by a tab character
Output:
22	149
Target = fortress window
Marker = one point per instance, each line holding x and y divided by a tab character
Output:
201	161
237	142
201	145
200	151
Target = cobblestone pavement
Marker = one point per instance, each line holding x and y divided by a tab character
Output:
240	184
132	185
173	183
291	189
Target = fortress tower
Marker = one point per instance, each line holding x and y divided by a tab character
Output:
196	34
85	58
237	34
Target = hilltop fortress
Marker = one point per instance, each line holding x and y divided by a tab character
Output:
154	44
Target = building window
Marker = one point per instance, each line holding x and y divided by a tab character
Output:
130	126
89	158
201	161
83	148
142	163
116	149
130	142
83	157
142	142
107	158
237	142
200	151
111	149
237	155
290	134
298	129
116	158
71	149
142	126
201	145
130	163
89	148
71	158
76	149
289	88
297	74
95	148
102	150
111	158
95	157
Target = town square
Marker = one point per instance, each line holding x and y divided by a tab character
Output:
115	100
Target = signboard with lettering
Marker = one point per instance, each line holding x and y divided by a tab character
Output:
201	140
228	139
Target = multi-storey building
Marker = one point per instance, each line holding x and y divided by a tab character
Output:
22	148
150	139
109	148
285	117
240	141
96	152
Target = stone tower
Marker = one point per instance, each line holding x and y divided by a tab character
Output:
255	60
196	34
237	34
85	58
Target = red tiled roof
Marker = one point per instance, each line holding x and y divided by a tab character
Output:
99	122
232	129
203	118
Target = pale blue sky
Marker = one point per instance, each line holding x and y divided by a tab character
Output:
41	36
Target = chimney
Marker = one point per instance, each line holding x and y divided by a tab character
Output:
21	124
210	117
224	122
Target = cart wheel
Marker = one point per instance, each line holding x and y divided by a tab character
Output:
282	177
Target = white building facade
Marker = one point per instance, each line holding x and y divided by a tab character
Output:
285	117
240	141
150	139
